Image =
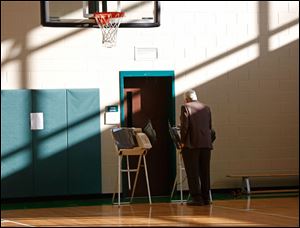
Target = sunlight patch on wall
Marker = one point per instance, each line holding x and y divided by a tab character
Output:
14	67
12	79
16	162
45	151
9	50
284	37
216	69
283	17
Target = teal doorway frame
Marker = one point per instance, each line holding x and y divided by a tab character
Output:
126	74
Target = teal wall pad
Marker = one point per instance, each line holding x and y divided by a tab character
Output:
50	144
16	151
64	158
84	141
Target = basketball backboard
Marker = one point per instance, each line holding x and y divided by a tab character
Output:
80	13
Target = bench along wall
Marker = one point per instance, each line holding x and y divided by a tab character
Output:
63	158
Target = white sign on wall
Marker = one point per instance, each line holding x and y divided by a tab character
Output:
145	53
37	121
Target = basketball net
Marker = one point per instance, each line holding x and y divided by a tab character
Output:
109	23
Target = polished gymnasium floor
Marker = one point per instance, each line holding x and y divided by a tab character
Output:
250	212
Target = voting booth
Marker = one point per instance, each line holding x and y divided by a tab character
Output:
175	135
130	142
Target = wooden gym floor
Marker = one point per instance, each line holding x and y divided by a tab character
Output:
257	212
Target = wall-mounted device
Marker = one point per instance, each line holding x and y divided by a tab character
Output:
112	115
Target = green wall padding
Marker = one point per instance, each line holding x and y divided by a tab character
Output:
64	158
83	111
50	144
16	151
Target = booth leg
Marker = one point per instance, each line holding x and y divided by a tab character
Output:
146	172
136	176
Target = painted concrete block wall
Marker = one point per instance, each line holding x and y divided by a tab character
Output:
241	58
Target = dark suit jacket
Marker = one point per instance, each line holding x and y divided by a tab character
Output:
195	125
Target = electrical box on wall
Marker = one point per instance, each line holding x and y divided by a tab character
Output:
112	115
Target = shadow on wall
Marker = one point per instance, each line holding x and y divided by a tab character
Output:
249	90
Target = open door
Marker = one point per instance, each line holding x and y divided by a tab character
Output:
152	98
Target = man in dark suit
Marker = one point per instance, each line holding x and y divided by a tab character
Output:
195	131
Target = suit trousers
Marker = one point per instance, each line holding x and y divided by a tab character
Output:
197	167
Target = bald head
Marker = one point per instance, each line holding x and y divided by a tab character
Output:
190	95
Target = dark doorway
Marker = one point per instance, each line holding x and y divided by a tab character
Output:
151	98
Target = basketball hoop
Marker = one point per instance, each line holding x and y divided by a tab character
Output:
109	23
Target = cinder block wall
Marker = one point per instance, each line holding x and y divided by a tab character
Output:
241	58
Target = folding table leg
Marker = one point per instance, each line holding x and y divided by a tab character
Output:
180	179
118	183
136	176
174	185
128	172
146	172
119	178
